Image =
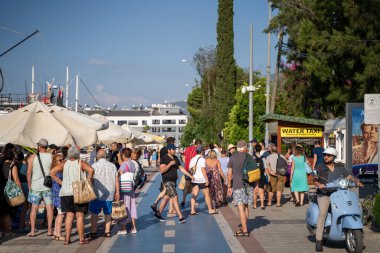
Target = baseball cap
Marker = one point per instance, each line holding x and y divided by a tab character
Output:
199	149
254	140
43	143
241	144
231	146
171	146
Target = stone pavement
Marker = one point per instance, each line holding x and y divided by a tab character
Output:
283	229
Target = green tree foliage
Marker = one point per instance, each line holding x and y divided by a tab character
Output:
237	126
333	53
224	94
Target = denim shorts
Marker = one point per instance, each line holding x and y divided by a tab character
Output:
243	196
35	197
95	207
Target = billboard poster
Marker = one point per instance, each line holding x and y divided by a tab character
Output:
362	146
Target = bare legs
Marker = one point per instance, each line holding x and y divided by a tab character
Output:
33	216
243	214
206	193
58	225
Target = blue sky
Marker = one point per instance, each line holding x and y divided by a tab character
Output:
127	52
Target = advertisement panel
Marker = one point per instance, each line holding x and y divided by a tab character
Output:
362	147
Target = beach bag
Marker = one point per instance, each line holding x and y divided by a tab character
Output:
307	166
12	192
119	212
83	191
126	181
182	183
251	173
281	166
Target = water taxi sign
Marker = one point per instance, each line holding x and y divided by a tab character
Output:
305	132
371	109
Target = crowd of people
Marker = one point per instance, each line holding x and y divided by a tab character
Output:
216	172
29	172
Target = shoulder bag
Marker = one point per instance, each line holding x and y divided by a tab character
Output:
281	165
47	179
83	190
12	192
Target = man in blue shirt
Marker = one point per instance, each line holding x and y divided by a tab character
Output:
317	153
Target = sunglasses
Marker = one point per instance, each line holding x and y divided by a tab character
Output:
60	160
328	155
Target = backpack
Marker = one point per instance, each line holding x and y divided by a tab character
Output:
139	177
281	166
126	181
251	172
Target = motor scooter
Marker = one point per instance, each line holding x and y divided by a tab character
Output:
344	219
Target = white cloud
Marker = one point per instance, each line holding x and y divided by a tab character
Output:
107	99
95	61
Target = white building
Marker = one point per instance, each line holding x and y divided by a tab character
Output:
162	119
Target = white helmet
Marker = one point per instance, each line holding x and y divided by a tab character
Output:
331	151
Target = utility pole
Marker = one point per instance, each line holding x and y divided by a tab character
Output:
267	86
76	92
251	87
67	87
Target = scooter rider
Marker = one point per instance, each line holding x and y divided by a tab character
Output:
327	172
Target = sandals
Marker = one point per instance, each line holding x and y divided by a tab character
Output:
215	212
92	235
67	242
83	242
59	238
240	233
194	213
108	234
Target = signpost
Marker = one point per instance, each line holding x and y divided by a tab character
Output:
372	116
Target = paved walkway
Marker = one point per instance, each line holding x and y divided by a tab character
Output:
200	233
273	230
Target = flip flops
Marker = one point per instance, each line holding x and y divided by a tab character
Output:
240	233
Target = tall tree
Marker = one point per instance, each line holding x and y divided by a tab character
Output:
333	52
224	94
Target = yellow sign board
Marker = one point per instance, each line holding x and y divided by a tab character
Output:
313	132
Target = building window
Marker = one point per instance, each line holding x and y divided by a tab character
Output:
168	121
182	121
122	122
168	129
133	123
144	123
155	129
156	122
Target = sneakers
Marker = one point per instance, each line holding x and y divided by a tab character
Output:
154	208
134	231
158	216
122	232
318	246
182	220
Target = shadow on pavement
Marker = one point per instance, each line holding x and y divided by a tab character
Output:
257	222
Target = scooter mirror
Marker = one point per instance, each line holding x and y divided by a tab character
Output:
362	171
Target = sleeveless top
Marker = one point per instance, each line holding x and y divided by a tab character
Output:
70	174
37	176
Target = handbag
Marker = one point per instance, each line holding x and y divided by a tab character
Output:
119	212
47	179
307	166
83	191
12	192
193	169
127	181
182	183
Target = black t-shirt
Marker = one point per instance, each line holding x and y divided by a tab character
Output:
114	159
163	152
325	175
171	173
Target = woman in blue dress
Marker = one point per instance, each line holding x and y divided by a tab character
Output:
57	200
298	176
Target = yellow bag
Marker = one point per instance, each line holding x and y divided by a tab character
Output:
83	191
119	212
182	183
254	175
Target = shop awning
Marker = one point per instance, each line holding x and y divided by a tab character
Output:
335	124
278	117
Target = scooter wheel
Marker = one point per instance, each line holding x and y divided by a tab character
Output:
354	241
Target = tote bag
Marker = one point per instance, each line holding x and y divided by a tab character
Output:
12	192
83	190
119	212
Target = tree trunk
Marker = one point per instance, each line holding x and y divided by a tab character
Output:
277	70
